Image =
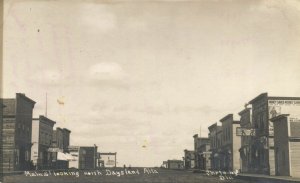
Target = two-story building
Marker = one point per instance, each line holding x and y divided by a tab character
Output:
264	108
189	159
215	144
17	128
287	145
202	152
42	129
230	144
247	133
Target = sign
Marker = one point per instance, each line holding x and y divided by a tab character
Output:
294	120
110	162
54	149
283	102
245	131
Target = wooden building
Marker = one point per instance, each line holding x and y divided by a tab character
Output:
231	143
189	159
202	153
264	108
84	157
42	130
17	128
175	164
287	145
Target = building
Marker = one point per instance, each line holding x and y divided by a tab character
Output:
287	145
1	150
215	145
202	153
175	164
189	159
17	127
66	139
230	144
61	139
107	159
83	157
247	133
59	148
42	130
264	108
164	164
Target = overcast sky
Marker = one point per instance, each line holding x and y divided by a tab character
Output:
140	78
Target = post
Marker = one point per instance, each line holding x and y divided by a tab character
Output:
116	159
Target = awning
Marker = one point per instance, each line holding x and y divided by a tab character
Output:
65	156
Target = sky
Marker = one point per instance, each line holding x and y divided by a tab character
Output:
140	78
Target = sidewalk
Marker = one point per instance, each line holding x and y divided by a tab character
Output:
267	178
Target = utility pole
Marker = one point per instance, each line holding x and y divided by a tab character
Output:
46	105
200	131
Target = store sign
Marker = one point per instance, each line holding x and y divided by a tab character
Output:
294	120
245	132
51	149
283	102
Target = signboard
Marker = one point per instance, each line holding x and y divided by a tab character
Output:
110	162
245	131
54	149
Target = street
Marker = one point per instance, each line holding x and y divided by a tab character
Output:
116	175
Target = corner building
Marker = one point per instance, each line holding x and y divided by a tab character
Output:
264	108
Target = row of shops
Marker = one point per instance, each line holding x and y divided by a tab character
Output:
32	143
252	141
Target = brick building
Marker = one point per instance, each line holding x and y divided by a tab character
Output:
17	128
42	130
264	108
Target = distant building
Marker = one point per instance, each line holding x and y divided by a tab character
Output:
264	108
231	143
175	164
164	164
202	152
189	159
84	157
59	148
287	145
215	145
61	139
66	139
42	129
107	159
205	155
17	127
